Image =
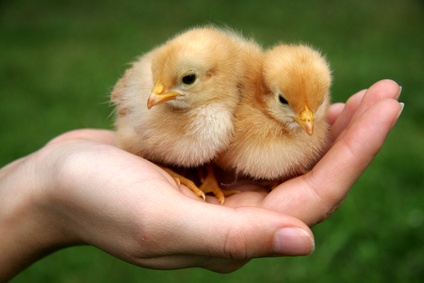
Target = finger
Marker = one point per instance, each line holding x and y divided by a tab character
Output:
361	101
103	136
346	115
324	188
338	170
334	112
378	91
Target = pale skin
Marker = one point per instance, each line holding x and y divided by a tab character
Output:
81	189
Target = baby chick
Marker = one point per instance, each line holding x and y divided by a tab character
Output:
175	104
280	126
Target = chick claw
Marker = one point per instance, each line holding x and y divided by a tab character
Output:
179	179
210	185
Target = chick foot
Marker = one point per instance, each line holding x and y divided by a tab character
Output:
179	179
210	185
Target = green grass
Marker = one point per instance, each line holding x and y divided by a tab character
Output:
60	59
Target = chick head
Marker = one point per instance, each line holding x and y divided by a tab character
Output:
297	79
193	68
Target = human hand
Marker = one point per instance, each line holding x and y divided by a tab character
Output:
81	189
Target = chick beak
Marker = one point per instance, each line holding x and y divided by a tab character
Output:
160	95
306	120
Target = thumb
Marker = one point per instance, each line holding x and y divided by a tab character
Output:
239	233
245	232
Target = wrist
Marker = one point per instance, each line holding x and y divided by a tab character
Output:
27	231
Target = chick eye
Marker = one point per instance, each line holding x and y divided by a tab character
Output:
282	100
189	79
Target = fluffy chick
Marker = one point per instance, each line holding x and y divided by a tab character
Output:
175	104
280	126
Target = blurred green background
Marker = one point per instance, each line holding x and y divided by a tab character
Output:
60	59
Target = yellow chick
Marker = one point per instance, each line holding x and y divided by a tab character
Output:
175	104
280	126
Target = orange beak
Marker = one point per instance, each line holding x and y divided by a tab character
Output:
160	95
306	120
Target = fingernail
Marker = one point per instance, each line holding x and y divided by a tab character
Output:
293	241
402	105
398	94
